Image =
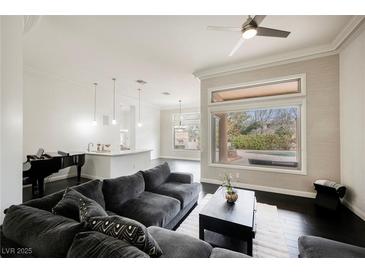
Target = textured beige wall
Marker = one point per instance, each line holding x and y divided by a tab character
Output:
323	139
166	138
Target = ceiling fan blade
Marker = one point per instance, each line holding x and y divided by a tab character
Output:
272	32
237	46
258	19
223	28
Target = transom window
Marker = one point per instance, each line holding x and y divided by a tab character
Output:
267	134
292	86
186	131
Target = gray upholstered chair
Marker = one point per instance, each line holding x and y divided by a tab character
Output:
317	247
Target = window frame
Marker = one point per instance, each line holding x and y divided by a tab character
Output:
298	100
173	131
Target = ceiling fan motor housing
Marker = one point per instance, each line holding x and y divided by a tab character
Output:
251	25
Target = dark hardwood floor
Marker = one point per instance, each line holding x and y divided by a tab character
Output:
299	216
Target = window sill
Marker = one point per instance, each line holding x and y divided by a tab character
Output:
197	150
261	169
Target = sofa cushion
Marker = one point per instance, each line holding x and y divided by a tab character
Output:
226	253
93	244
127	230
178	245
69	205
180	177
119	190
316	247
156	176
91	189
89	208
46	202
111	213
150	209
185	193
7	248
46	234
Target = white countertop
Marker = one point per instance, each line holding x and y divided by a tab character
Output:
120	153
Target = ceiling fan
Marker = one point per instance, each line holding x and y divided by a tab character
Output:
249	29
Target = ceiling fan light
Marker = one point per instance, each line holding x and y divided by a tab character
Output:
249	33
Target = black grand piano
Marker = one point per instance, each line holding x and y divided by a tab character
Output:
39	166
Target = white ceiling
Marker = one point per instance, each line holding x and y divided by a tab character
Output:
162	50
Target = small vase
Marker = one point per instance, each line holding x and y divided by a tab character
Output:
231	197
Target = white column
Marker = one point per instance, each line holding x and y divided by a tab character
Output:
11	111
223	138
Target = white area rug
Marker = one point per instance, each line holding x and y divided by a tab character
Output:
269	240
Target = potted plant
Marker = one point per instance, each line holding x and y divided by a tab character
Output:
230	195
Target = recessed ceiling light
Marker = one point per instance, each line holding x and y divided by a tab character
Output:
166	93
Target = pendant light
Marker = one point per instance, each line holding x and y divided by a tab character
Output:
180	117
139	124
114	121
94	123
141	82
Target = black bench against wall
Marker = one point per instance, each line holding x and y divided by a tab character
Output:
329	194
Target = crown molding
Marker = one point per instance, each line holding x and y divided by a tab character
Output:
347	31
280	59
264	62
30	22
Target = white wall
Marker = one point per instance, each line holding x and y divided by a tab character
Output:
58	115
11	111
147	136
352	120
167	141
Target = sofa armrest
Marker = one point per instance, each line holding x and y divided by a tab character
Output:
180	177
317	247
177	245
225	253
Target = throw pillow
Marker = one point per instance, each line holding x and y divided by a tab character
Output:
92	244
69	205
128	230
156	176
89	208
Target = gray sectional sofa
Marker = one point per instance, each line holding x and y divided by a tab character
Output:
317	247
157	198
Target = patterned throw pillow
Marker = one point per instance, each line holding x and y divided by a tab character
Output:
89	208
69	205
128	230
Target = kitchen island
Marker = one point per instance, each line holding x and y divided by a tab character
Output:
104	165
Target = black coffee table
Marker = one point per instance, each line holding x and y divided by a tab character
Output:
236	221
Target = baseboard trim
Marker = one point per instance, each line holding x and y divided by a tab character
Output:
357	211
180	158
91	177
60	177
56	178
265	188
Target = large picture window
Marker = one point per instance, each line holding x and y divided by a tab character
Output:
266	134
186	131
265	137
